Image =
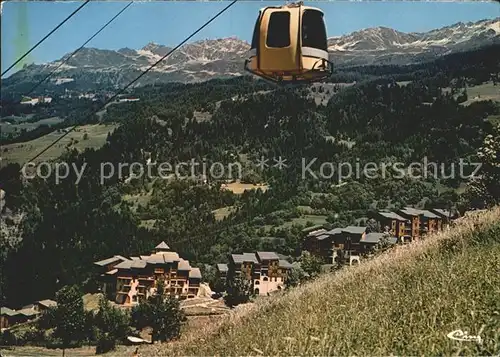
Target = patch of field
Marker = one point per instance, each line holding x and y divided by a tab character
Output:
403	83
223	212
7	128
485	91
308	218
96	135
238	188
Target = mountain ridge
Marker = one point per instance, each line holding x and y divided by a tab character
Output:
223	57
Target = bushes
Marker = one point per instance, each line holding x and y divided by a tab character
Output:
238	291
105	343
161	313
111	324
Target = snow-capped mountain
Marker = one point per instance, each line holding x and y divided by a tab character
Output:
207	59
384	45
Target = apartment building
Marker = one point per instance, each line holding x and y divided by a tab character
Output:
128	281
265	270
446	216
393	223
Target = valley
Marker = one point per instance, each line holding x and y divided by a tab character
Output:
330	234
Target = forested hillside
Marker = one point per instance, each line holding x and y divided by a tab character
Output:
70	224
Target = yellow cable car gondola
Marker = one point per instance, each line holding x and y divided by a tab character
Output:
289	44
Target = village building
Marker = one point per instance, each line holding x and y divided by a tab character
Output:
9	317
266	271
222	270
422	221
44	305
392	223
130	281
352	235
322	243
431	222
349	243
446	216
371	240
415	217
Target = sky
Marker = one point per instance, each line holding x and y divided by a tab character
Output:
169	22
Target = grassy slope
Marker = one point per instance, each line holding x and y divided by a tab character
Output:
21	152
404	302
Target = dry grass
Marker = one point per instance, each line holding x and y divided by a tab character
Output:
403	302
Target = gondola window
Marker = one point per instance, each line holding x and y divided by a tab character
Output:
278	32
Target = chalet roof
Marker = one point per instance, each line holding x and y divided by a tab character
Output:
244	258
195	273
111	260
47	303
334	231
222	267
373	237
161	258
112	272
323	236
170	257
412	211
184	265
285	264
316	232
442	212
354	230
28	312
162	245
429	214
5	311
267	256
131	264
312	229
392	215
154	259
137	264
